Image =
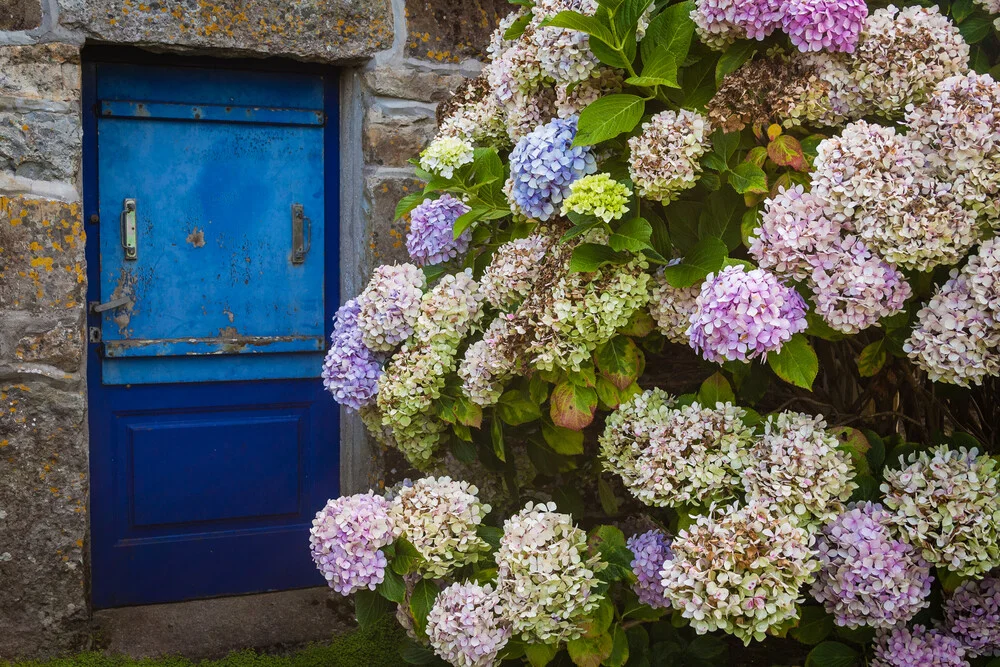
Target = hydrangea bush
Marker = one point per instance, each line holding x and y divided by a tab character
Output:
695	358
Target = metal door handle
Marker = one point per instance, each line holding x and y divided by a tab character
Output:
301	234
96	307
128	230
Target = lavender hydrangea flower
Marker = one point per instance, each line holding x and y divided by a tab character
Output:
721	22
466	627
824	25
346	541
867	577
920	648
431	239
543	165
389	306
350	370
972	615
744	315
651	550
795	229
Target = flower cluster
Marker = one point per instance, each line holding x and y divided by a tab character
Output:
545	579
721	22
439	517
431	239
511	272
824	25
651	550
487	364
543	165
795	233
350	370
446	154
797	468
474	115
417	373
346	541
868	577
739	569
672	307
744	315
972	615
466	627
388	307
664	159
674	456
946	503
598	195
920	647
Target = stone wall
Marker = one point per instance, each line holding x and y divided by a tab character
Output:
401	58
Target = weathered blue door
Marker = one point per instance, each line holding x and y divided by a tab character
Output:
213	274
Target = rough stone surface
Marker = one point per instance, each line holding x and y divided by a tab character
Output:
60	345
48	72
40	145
43	505
20	14
404	82
392	138
211	628
324	30
388	237
41	255
450	31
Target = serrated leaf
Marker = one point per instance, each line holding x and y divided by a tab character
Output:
408	203
516	29
832	654
562	440
815	625
715	161
465	220
976	28
671	31
577	230
572	406
587	24
962	9
516	408
369	606
421	601
733	58
721	216
748	177
619	360
467	412
633	235
607	117
706	257
392	587
627	16
796	362
588	257
661	66
490	534
714	390
786	151
872	358
415	654
407	558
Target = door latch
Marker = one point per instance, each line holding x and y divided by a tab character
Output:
96	308
301	234
129	229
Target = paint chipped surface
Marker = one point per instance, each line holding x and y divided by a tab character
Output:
196	239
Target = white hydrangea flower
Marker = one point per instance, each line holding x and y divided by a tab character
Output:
946	503
446	154
664	160
439	517
487	365
983	272
466	626
545	579
511	272
797	469
672	307
739	570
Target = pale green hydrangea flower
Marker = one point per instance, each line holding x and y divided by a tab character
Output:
446	154
598	195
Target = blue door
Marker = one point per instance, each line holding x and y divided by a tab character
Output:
212	263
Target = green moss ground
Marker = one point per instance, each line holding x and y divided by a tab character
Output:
373	646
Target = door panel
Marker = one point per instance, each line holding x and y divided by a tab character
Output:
212	440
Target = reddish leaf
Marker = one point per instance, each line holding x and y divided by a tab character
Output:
786	151
573	406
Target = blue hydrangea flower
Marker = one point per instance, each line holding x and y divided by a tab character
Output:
431	239
543	165
350	370
651	550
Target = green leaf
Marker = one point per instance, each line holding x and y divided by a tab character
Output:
705	650
716	162
607	117
490	534
748	177
496	436
619	360
815	625
588	257
369	606
714	390
467	412
660	237
670	31
590	651
698	82
572	406
663	67
619	648
516	407
872	358
421	601
949	580
578	229
735	55
796	362
588	24
408	203
632	235
465	220
832	654
786	151
725	143
627	16
962	9
721	216
407	558
682	223
562	440
609	503
392	587
608	394
868	489
413	653
540	655
516	29
609	55
538	388
976	28
704	258
854	442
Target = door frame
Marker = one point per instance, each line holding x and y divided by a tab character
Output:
344	239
